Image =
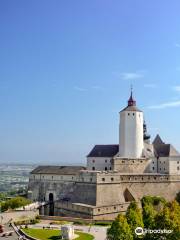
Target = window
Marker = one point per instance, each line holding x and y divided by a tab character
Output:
105	168
178	162
114	208
128	114
154	178
52	177
93	161
99	210
93	168
133	114
153	168
110	168
153	162
103	179
106	161
112	179
160	169
178	168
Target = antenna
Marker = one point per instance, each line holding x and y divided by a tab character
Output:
131	87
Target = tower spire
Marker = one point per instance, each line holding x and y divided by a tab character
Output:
131	101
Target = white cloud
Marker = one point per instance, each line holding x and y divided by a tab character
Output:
80	89
130	75
150	85
176	88
177	45
166	105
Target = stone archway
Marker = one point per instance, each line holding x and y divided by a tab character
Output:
51	204
128	196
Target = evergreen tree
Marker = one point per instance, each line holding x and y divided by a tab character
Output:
119	229
134	218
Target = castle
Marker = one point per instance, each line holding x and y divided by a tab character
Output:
115	174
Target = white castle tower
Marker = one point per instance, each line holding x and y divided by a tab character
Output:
131	142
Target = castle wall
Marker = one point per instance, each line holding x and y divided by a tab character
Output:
126	165
82	188
114	189
89	211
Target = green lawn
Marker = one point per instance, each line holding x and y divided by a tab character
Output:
48	234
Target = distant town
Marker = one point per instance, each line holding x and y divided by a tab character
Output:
14	177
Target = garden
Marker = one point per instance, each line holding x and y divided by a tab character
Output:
49	234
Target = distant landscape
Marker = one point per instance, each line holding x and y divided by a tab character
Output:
14	177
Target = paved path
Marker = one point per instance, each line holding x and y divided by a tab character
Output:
7	229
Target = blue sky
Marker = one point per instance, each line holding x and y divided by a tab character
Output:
66	69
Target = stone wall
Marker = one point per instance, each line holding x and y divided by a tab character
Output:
83	192
134	187
126	165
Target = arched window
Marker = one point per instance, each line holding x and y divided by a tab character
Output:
93	168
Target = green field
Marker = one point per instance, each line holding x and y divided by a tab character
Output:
48	234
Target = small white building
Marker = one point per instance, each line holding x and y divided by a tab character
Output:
67	232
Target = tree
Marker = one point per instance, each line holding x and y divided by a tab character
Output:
169	218
119	229
178	197
134	218
14	203
151	206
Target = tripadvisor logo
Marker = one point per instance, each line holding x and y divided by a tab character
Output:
140	231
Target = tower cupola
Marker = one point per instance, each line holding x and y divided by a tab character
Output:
131	101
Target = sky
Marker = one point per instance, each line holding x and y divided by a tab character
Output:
65	73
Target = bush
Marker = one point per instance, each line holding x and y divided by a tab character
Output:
102	223
27	221
80	223
59	222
